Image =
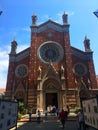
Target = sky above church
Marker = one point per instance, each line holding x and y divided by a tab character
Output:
15	22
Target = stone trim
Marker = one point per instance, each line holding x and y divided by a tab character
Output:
48	25
19	57
83	55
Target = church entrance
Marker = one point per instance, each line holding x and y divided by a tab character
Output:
51	100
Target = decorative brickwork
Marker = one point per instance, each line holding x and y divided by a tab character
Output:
42	72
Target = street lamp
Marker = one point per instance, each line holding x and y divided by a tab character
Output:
96	13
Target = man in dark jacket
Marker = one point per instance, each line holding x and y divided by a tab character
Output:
62	117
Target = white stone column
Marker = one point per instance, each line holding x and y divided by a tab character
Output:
38	101
61	100
41	101
64	101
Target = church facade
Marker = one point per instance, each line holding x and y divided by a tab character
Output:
51	72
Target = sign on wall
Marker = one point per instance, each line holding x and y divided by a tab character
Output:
8	114
90	108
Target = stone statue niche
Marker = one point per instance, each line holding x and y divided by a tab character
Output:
39	72
62	71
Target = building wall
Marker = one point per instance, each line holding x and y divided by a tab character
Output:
31	80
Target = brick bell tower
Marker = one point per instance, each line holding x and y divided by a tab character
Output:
50	63
11	69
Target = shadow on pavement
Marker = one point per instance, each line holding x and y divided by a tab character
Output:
48	125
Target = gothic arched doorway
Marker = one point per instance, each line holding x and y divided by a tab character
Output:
51	93
51	99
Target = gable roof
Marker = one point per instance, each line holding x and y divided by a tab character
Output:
50	25
81	54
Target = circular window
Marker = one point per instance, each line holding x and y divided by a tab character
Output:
50	52
80	69
21	71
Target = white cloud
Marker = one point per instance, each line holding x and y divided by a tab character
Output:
70	13
4	61
45	17
27	29
58	17
22	47
3	66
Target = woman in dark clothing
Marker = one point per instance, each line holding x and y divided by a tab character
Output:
38	117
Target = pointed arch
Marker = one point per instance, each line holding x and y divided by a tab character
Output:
51	84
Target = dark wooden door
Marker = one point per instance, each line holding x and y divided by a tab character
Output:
51	99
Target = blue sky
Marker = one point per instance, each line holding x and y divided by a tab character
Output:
15	23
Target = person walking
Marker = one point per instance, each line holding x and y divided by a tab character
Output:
81	120
62	117
67	111
46	114
30	116
38	117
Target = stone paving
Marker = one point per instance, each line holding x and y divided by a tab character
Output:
52	123
47	125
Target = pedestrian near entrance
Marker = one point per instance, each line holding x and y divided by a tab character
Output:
62	117
81	120
30	116
46	114
38	117
67	111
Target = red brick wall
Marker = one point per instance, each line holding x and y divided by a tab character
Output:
36	41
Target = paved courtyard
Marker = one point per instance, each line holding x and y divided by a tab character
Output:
47	125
